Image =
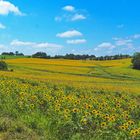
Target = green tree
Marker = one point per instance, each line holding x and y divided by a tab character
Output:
40	55
136	61
16	53
3	65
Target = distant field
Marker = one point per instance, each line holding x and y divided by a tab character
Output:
11	57
46	99
115	74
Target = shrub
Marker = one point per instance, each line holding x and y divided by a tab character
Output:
39	55
11	70
3	65
136	61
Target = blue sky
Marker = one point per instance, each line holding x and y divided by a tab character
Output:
100	27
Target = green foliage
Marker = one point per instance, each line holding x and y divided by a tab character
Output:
42	110
136	61
91	57
3	65
4	57
13	54
40	55
56	112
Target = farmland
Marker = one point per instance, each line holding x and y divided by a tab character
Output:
69	100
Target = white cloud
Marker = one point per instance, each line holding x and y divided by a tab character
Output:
48	45
69	34
58	18
105	45
76	41
73	14
18	43
127	41
2	26
120	45
78	17
120	26
122	42
69	8
6	7
136	36
21	43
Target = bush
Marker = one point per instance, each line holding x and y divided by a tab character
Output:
136	61
3	65
11	70
40	55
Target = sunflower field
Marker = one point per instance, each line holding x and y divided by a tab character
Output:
32	108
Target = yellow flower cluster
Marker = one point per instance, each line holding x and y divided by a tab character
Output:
90	104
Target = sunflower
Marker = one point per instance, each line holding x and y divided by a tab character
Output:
75	110
103	124
32	106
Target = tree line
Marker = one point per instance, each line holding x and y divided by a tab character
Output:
70	56
12	53
80	57
135	57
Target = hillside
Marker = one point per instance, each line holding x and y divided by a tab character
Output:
69	100
116	74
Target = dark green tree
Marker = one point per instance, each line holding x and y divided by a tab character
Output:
3	65
40	55
136	61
